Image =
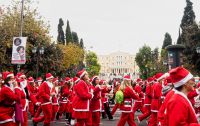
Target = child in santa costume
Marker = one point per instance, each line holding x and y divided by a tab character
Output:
8	96
179	110
54	99
81	101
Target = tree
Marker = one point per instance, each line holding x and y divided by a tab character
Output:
81	43
167	40
61	37
75	38
36	30
92	65
68	34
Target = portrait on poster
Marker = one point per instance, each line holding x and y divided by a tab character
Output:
19	50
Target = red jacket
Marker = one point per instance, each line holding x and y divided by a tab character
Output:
148	94
64	94
191	96
32	89
81	101
162	110
156	97
127	104
180	111
44	93
96	104
7	99
138	90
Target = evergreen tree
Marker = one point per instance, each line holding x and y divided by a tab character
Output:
68	34
167	40
60	37
81	43
189	15
75	38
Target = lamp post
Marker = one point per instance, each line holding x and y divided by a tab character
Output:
37	51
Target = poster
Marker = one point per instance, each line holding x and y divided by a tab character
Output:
19	50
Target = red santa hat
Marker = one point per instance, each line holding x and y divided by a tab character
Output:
21	75
55	80
139	80
92	79
30	79
7	74
150	79
81	73
76	79
49	76
67	79
158	76
101	82
180	76
127	77
168	81
39	79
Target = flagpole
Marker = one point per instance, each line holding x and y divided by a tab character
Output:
21	27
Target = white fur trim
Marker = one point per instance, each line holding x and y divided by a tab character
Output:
163	76
5	121
46	103
94	78
49	78
183	81
77	80
83	74
10	75
84	110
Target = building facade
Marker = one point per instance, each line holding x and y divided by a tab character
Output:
118	64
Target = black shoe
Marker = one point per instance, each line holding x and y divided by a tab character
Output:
57	116
34	123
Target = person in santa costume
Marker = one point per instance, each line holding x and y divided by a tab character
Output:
179	110
45	95
147	100
54	99
96	104
156	98
63	100
8	97
81	101
167	92
33	90
126	106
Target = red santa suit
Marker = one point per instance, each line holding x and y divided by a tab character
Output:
96	105
138	103
7	99
81	103
46	100
147	100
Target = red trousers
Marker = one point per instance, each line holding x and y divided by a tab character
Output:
126	117
37	113
31	109
146	114
96	118
138	105
54	111
63	108
153	121
85	122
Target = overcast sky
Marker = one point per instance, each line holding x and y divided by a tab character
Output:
117	25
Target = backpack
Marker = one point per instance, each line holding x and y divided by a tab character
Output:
119	97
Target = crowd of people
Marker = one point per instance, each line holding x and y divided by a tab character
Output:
165	99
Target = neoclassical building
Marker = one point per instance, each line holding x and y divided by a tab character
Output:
118	63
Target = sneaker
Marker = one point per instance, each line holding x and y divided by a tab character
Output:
138	119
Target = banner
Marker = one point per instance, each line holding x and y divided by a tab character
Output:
19	50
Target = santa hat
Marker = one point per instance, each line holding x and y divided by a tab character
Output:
127	77
138	80
81	73
67	79
150	79
76	79
92	79
39	79
49	76
180	76
7	74
30	79
168	81
158	76
101	82
20	75
55	80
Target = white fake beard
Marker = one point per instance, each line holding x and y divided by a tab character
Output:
23	84
39	83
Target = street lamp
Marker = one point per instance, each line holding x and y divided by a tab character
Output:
37	51
198	50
